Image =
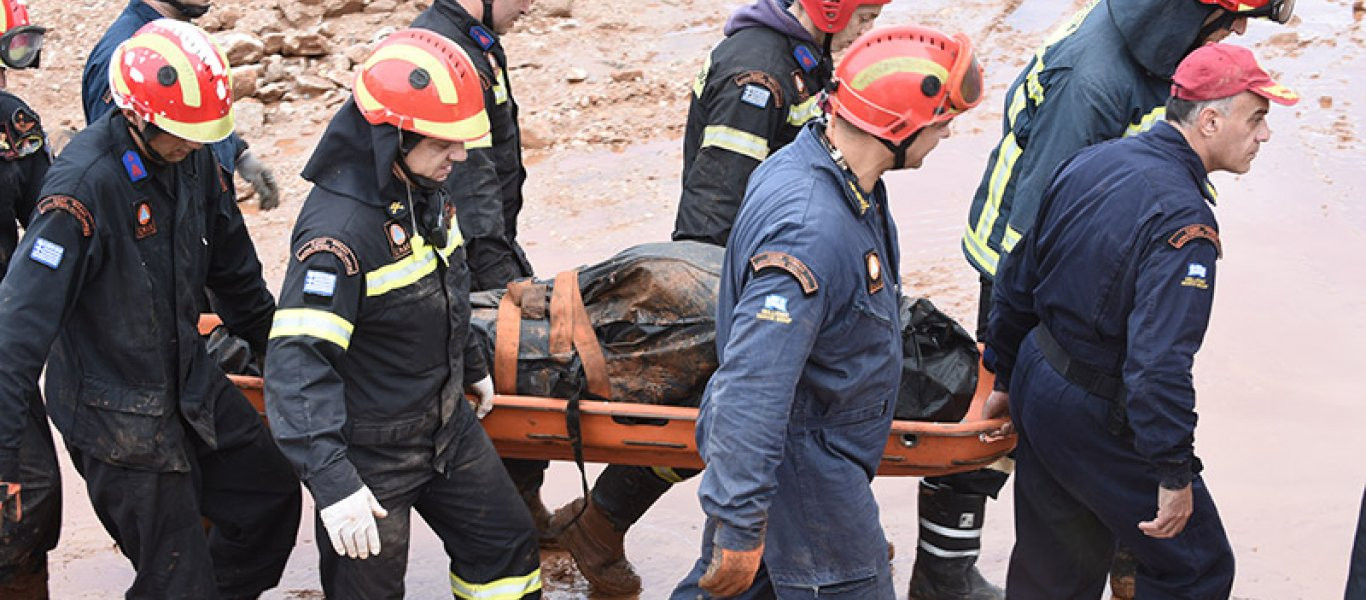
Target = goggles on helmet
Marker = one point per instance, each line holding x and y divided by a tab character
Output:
964	87
20	47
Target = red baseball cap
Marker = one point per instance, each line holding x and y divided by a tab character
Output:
1215	71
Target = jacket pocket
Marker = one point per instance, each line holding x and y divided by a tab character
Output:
129	426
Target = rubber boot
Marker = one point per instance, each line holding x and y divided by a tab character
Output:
620	497
950	541
598	548
1122	572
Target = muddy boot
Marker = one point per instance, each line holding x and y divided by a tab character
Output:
950	540
1122	572
598	548
540	515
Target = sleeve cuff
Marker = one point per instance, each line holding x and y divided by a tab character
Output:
334	483
1174	476
738	539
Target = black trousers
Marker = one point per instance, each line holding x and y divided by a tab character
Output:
245	489
473	507
24	544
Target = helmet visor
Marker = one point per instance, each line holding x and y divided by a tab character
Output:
965	85
19	47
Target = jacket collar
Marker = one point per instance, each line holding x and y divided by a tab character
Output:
143	11
1164	137
813	139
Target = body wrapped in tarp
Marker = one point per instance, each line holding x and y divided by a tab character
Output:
653	309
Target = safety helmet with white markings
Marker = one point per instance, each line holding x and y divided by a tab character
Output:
422	82
175	77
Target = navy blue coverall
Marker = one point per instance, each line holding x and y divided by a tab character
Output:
106	278
95	95
27	455
793	423
1095	324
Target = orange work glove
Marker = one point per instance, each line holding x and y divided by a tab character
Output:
731	571
9	503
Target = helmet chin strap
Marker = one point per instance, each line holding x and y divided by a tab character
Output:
488	14
1225	21
899	150
145	136
190	11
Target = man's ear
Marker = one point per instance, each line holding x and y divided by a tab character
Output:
1210	120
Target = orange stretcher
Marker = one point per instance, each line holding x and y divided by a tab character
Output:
650	435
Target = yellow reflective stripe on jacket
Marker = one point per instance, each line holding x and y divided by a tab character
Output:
699	82
799	114
312	322
412	268
500	86
739	142
1147	122
507	588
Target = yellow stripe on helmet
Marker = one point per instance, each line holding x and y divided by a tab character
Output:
898	64
174	56
441	76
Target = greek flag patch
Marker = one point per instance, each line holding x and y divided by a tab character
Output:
320	283
47	253
1195	270
755	95
776	302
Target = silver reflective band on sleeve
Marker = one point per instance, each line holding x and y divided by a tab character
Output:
799	114
739	142
312	322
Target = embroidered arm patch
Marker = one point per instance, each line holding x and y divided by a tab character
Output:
70	206
786	262
753	82
1195	232
331	246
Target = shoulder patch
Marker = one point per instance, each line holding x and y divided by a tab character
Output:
755	83
874	266
223	178
786	262
805	58
47	253
24	120
320	283
71	206
331	246
132	163
1196	232
481	36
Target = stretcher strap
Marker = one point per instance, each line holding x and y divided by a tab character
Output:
570	324
508	332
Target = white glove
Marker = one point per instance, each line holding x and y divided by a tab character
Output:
350	522
483	389
260	178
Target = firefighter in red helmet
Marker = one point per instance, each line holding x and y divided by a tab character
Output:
791	438
104	286
369	357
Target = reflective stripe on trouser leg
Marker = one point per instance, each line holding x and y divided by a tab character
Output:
950	523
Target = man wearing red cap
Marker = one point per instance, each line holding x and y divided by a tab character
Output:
1096	319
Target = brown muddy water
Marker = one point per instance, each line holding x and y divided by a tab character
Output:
1278	409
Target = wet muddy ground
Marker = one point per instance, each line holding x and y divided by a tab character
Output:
1278	412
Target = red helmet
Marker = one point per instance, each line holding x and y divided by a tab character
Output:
832	16
20	41
172	74
896	80
1279	11
422	82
